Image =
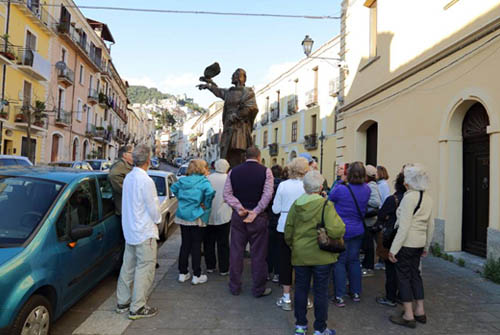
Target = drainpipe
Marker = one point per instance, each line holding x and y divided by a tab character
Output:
4	73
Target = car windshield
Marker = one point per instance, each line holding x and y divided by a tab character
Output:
96	165
182	171
161	188
12	162
23	204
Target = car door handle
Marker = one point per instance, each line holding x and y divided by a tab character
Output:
99	236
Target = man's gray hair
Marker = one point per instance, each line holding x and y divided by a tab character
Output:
313	182
416	177
141	154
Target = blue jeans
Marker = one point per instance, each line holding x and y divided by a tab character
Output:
348	264
320	274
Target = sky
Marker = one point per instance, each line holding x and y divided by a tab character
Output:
171	51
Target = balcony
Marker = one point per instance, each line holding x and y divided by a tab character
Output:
104	101
334	87
101	134
264	119
66	77
9	53
34	65
74	36
91	130
106	71
93	97
4	113
38	122
292	105
312	98
63	118
275	112
273	149
40	15
311	142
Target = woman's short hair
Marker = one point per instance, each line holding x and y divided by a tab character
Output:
277	171
399	183
313	182
356	173
197	166
416	177
221	165
382	173
298	168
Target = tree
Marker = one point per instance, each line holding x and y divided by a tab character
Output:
32	115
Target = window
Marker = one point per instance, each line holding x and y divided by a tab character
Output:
91	83
313	124
63	55
264	140
108	205
81	208
30	41
275	135
27	93
294	131
267	104
81	74
161	187
316	77
79	110
372	4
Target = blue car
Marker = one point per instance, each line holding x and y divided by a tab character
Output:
59	236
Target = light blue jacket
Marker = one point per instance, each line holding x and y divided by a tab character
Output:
191	192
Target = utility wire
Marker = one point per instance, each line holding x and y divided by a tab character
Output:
172	11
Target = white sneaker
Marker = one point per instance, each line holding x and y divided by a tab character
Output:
199	280
184	278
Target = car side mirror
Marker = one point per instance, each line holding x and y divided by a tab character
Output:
80	231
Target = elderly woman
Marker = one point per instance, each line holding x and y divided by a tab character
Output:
350	202
288	191
412	241
217	231
194	194
307	258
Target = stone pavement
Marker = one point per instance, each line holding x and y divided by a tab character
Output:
458	301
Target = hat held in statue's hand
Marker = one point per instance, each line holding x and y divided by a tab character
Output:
212	71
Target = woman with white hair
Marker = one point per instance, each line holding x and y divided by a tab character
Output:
288	191
412	241
306	213
217	230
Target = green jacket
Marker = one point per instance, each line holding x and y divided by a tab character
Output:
116	176
301	234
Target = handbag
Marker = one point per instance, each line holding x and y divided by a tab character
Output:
325	242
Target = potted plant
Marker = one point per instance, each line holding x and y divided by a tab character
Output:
7	50
99	128
4	114
110	128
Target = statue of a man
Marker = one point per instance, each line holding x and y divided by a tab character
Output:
240	110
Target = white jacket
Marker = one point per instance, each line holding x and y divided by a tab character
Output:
221	212
286	194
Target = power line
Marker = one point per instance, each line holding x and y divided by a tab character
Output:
173	11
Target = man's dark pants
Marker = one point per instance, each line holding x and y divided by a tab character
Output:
217	234
257	234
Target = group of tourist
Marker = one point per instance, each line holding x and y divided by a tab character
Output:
280	212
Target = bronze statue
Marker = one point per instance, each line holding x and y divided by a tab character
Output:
240	110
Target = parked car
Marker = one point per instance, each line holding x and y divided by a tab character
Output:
168	202
155	163
59	236
178	162
100	164
10	160
82	165
181	173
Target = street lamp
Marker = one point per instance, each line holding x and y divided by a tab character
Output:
307	45
321	138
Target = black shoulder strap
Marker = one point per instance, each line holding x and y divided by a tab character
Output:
357	206
419	202
322	224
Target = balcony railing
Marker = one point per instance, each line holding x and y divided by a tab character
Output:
91	130
66	76
34	65
41	15
93	97
275	112
38	120
264	119
273	149
4	113
312	98
63	118
292	105
311	142
9	53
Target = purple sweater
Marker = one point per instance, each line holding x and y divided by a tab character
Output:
346	208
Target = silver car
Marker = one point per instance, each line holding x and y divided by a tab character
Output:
168	202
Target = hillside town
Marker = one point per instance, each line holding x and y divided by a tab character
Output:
323	197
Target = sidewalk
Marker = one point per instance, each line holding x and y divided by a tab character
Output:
458	302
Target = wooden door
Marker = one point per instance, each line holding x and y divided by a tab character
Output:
476	174
55	148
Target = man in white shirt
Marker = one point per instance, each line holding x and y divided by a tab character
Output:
140	216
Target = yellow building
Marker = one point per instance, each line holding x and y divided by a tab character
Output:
26	69
297	108
420	85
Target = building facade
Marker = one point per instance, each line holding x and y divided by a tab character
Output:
297	111
428	95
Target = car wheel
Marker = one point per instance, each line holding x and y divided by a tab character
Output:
34	317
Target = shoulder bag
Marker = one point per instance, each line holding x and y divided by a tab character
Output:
357	206
325	242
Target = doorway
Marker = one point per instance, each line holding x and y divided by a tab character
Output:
476	176
54	154
371	144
